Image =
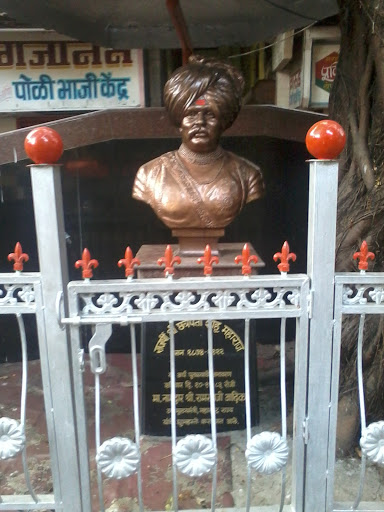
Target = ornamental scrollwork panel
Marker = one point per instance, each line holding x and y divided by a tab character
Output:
147	302
377	294
111	303
11	294
269	299
124	303
224	299
185	301
362	294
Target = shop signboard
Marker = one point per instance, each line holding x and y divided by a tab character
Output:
323	72
295	92
68	75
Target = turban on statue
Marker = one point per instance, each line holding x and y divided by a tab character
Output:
221	82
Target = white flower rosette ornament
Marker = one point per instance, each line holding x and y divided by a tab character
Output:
12	438
195	455
372	442
267	452
118	458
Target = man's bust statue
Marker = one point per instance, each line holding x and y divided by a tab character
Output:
200	185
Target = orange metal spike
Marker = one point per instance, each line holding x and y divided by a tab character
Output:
284	256
18	257
246	258
86	264
208	260
169	261
128	262
363	256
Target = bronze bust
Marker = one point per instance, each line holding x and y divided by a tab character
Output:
200	186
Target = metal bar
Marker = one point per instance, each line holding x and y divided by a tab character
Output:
359	278
248	417
24	378
321	267
359	363
22	278
334	399
299	406
77	355
136	412
155	316
19	308
212	405
249	485
192	283
369	309
363	420
23	502
49	221
23	400
97	441
283	401
46	376
247	385
283	384
365	506
173	411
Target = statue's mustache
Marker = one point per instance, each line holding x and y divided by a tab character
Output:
197	130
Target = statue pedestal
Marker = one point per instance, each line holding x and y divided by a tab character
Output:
193	241
192	386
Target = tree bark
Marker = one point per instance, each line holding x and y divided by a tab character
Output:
357	103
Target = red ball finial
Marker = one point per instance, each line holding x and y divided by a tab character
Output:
325	140
43	145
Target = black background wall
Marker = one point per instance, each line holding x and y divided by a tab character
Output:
101	215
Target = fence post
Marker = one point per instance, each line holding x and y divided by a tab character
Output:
321	269
49	219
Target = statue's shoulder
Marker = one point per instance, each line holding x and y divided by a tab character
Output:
243	165
148	174
157	164
250	175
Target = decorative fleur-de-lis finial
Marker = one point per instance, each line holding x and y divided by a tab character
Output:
128	262
86	264
208	260
284	256
363	256
18	257
169	261
246	258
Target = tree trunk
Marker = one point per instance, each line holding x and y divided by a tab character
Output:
357	103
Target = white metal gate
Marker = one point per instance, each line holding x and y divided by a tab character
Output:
314	300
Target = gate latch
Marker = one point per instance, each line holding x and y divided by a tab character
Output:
97	347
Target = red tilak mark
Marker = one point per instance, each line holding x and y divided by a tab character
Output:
363	256
246	259
169	261
18	257
284	256
86	264
200	101
208	260
128	262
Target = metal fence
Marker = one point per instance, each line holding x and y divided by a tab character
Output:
317	301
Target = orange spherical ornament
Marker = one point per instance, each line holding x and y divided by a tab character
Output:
325	140
43	145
